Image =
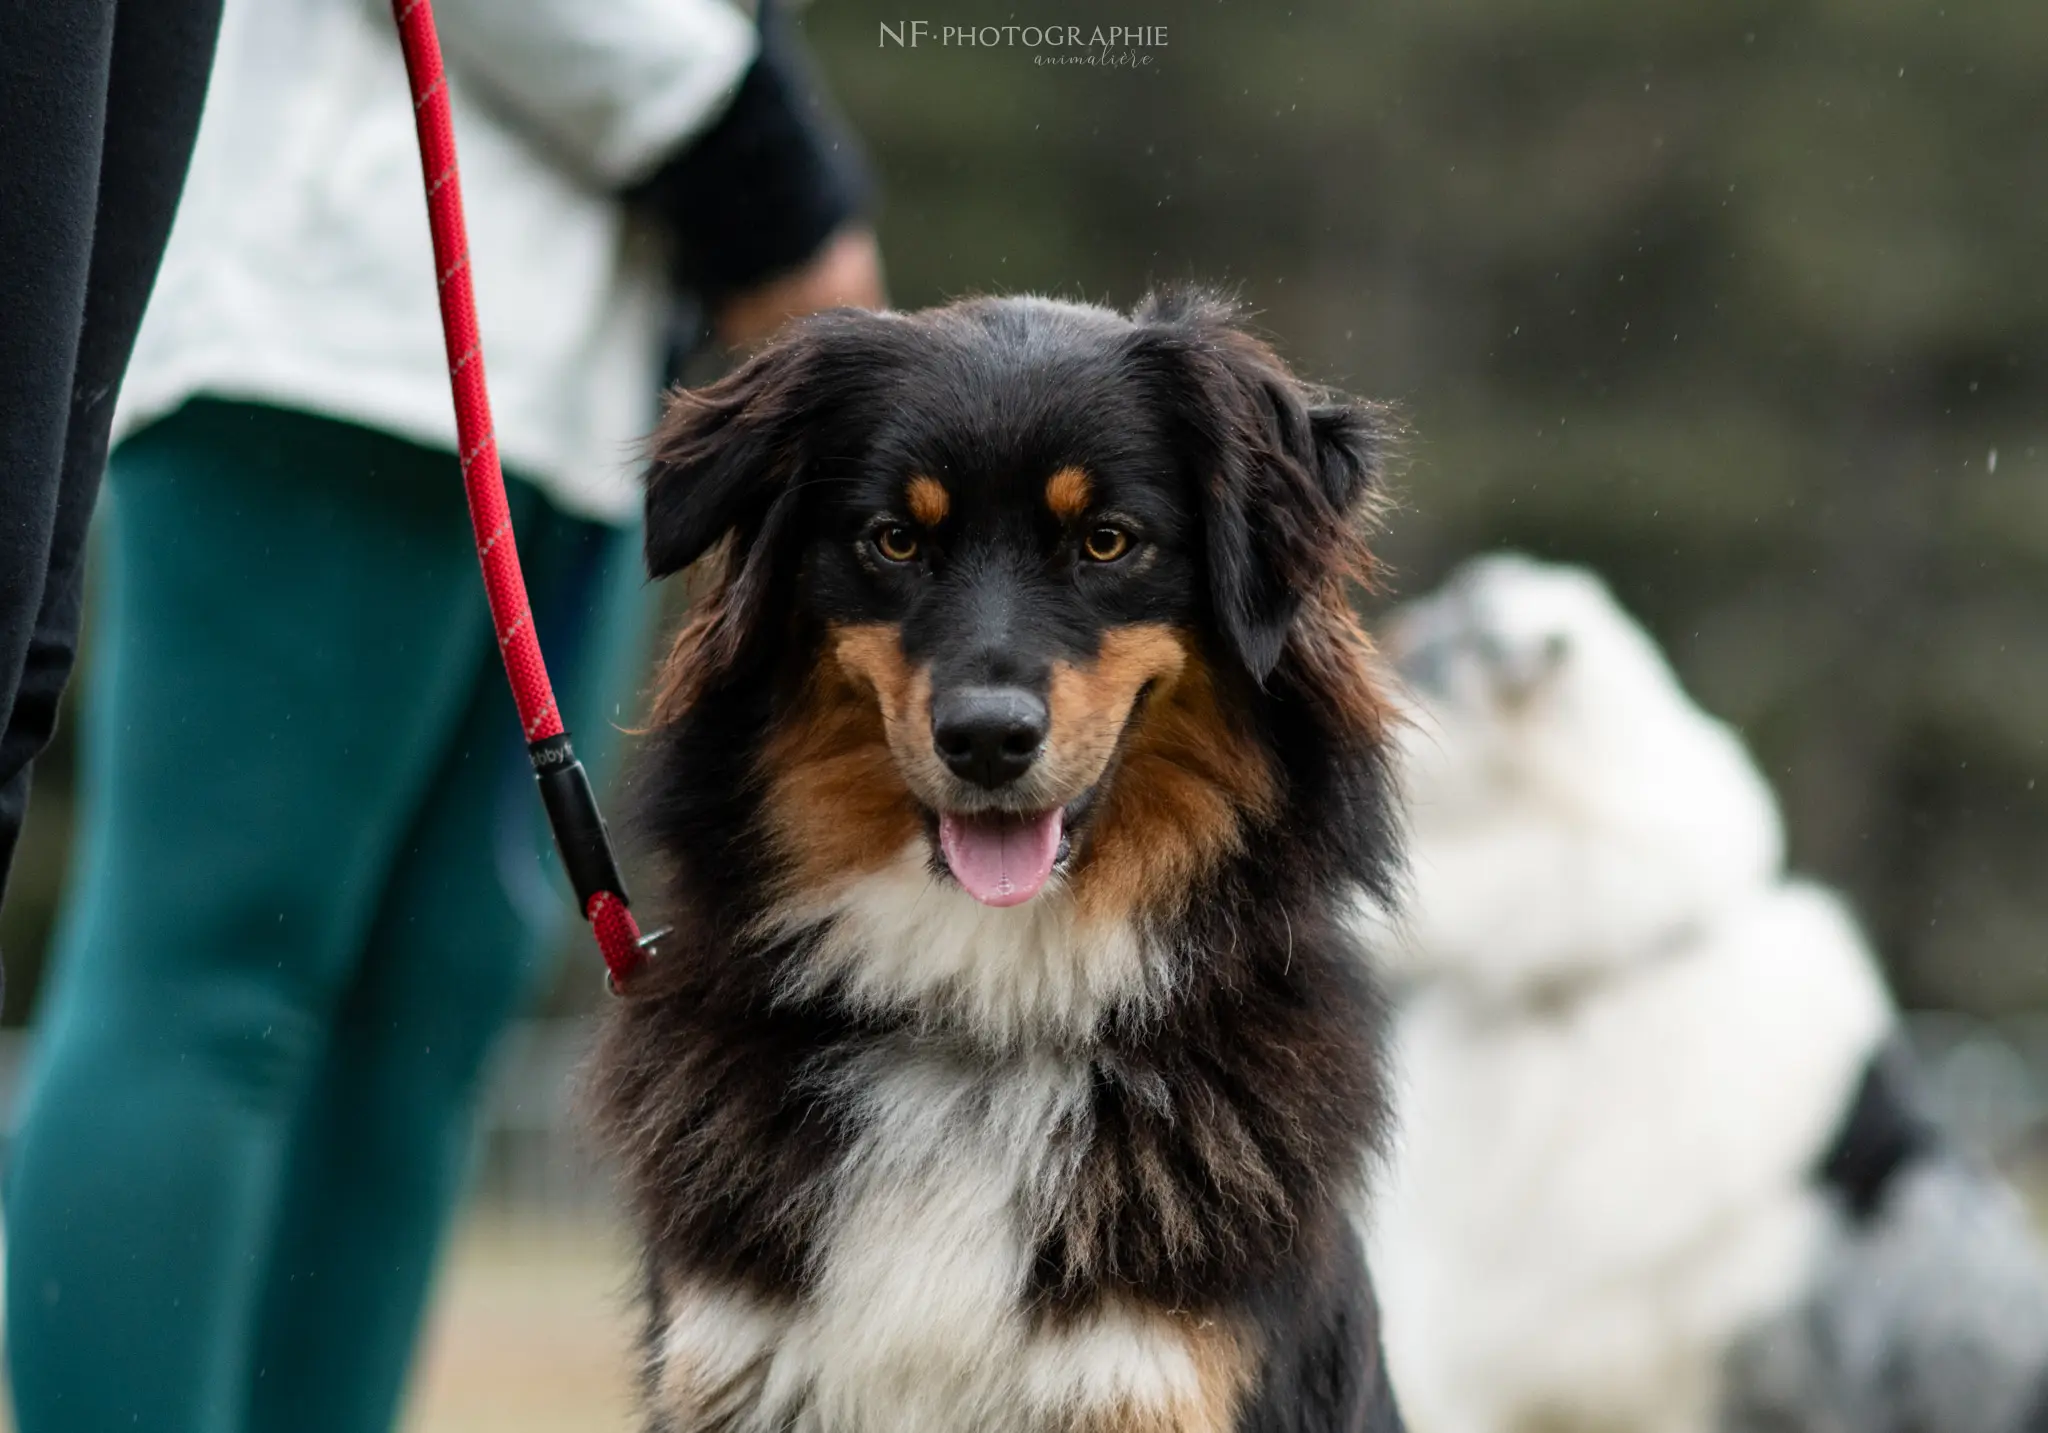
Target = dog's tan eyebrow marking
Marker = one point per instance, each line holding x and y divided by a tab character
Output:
1067	493
929	501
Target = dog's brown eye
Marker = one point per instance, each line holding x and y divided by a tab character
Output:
1106	544
896	542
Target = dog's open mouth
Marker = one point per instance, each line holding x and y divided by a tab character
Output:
999	858
1003	857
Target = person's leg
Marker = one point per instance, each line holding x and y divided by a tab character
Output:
294	632
99	110
54	61
380	1156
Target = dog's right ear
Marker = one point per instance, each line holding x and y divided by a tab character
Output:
728	461
724	455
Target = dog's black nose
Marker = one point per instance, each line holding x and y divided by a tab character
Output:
989	735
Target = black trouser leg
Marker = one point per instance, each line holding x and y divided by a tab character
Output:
99	103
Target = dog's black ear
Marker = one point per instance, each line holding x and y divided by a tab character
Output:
723	455
728	461
1288	473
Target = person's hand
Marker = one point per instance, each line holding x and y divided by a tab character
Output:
846	271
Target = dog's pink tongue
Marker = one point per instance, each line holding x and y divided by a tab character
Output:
1001	860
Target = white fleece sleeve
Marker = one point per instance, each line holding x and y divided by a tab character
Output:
612	86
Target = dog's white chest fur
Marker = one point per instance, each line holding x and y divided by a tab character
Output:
916	1313
922	1276
904	940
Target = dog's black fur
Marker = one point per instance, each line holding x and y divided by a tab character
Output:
1209	1176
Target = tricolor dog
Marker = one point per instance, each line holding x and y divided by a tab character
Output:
1010	1067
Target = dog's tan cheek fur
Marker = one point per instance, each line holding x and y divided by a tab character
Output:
873	654
1090	702
836	804
1188	777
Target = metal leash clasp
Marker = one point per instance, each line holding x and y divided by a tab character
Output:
645	945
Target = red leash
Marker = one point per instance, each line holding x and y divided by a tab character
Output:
579	830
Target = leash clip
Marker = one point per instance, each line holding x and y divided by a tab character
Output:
645	945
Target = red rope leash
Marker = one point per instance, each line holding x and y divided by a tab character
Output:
579	830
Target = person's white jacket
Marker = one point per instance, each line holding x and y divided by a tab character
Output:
299	272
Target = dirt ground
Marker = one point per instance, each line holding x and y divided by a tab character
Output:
531	1332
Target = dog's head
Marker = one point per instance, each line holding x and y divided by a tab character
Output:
1570	808
1037	582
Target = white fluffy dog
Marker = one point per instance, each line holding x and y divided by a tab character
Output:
1656	1173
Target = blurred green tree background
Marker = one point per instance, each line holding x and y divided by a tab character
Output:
1744	304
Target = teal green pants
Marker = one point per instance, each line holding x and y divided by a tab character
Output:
309	895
